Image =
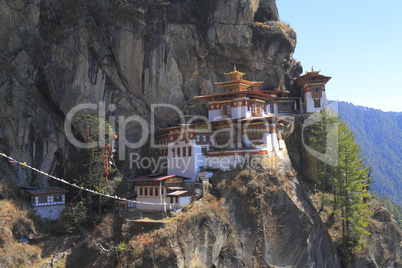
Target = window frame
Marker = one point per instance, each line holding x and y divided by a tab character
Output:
317	103
226	109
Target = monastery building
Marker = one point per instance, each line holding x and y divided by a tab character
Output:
243	121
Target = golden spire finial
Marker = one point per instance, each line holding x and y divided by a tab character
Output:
312	68
234	68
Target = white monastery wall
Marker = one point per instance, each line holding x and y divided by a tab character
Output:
184	200
155	199
310	102
240	111
186	166
49	212
214	115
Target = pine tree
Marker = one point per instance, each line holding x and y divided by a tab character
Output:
348	180
352	178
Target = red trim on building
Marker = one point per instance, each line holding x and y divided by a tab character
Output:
221	153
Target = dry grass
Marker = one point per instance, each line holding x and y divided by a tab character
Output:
249	186
321	202
108	231
16	223
158	244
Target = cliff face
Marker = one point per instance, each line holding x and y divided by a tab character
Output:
275	221
58	54
263	219
384	243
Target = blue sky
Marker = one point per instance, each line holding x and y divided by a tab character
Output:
358	43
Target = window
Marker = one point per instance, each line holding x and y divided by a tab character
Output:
173	152
42	198
151	191
189	151
203	139
255	133
316	93
156	191
57	198
184	151
225	110
141	191
256	109
145	191
178	152
317	103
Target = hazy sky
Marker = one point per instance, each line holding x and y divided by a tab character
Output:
358	43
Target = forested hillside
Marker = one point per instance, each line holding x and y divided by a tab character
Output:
380	135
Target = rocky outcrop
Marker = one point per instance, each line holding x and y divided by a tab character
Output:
384	242
58	54
302	161
260	220
276	223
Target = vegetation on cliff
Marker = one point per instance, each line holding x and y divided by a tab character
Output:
345	176
16	222
170	246
24	237
102	175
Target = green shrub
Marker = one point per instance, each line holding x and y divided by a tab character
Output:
71	218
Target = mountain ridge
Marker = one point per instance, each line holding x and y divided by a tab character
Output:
379	134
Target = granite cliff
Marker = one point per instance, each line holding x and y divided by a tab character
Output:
58	54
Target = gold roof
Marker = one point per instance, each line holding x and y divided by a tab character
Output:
235	74
237	83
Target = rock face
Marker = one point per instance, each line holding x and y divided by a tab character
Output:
58	54
262	220
385	241
276	223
